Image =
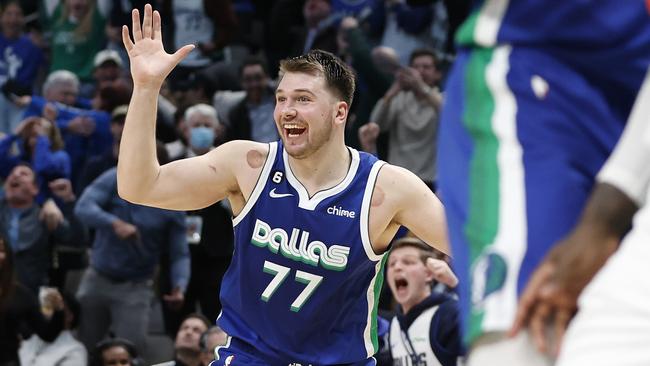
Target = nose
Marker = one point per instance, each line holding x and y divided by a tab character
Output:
288	112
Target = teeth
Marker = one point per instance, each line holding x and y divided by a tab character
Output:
291	126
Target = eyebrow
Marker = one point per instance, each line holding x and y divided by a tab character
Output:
278	91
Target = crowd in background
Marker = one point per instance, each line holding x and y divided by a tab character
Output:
65	85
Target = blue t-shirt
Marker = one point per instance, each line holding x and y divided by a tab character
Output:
20	60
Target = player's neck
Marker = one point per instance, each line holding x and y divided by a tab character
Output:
324	169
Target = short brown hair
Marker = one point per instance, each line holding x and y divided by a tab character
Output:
339	77
425	250
419	52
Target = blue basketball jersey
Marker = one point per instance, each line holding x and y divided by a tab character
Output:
304	281
607	41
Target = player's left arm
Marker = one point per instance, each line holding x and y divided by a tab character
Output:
416	207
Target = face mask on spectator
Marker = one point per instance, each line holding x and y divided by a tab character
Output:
201	137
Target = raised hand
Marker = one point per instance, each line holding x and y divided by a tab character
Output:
442	272
150	64
62	188
51	215
368	134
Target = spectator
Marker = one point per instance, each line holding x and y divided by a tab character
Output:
426	328
65	350
410	25
85	132
409	111
20	61
116	289
20	312
210	340
372	81
208	24
96	165
37	142
186	346
29	237
199	128
108	67
113	352
252	118
112	95
192	89
319	32
77	32
209	232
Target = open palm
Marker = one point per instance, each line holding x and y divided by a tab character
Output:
150	64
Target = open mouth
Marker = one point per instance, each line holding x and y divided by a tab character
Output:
401	284
294	130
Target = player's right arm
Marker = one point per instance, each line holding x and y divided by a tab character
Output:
183	185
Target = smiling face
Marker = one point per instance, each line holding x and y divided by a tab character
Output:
304	113
408	277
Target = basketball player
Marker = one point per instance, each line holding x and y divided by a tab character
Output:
612	326
313	218
537	98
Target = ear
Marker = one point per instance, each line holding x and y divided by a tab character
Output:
341	116
429	274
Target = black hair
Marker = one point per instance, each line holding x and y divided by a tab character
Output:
97	354
419	52
252	61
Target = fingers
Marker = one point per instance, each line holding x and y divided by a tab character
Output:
147	29
537	325
182	53
126	39
157	32
60	183
135	25
530	297
562	318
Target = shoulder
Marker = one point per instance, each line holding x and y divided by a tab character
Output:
400	182
106	178
251	152
109	174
